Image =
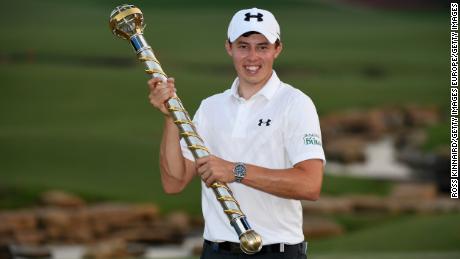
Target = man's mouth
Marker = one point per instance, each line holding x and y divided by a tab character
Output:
252	69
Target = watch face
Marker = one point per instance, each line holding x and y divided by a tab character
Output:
240	170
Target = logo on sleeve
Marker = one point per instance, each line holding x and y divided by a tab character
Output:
312	139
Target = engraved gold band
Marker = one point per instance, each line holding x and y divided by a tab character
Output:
227	198
238	212
148	58
183	122
176	109
125	13
219	185
153	71
198	147
190	134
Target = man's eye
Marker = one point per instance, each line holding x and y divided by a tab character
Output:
242	46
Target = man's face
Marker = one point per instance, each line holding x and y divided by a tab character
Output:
253	58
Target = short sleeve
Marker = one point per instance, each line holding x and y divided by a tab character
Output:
302	132
197	122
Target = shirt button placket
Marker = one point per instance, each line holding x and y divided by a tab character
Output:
239	129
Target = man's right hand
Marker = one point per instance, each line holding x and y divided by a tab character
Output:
160	92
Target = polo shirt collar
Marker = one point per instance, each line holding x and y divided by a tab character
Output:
268	90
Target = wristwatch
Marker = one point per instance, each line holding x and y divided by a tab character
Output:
239	171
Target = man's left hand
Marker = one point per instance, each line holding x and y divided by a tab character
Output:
213	169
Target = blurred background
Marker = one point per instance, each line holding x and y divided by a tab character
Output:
79	140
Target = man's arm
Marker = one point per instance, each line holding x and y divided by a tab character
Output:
176	171
302	182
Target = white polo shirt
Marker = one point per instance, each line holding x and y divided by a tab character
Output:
276	128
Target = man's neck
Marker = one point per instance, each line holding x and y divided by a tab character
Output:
247	90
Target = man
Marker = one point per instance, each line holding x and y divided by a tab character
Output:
266	144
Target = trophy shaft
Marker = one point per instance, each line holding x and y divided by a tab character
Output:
127	22
145	54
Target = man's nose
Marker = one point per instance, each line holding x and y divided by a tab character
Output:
252	55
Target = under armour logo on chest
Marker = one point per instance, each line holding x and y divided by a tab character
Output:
249	16
267	123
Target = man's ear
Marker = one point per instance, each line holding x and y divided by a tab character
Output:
228	48
278	49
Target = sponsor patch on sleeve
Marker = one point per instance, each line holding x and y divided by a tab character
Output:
312	139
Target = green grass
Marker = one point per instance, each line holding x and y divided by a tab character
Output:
408	234
68	120
438	136
344	185
356	222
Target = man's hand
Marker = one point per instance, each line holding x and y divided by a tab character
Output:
213	169
160	92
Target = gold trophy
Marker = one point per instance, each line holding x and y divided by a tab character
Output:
127	22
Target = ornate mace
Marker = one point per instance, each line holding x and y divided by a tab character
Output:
127	22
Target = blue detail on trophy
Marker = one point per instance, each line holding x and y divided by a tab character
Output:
136	43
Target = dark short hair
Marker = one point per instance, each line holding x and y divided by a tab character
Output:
249	33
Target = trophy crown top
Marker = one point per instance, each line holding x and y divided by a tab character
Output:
126	20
